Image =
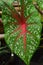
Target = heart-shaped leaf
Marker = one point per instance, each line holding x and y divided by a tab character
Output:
22	31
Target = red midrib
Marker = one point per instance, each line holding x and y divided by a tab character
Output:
23	28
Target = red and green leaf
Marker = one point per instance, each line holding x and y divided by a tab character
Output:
22	31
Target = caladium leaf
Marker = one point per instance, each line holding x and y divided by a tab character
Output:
23	32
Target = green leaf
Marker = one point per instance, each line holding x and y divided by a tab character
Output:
40	3
8	1
32	40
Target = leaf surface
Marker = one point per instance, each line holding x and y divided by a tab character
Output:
15	39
